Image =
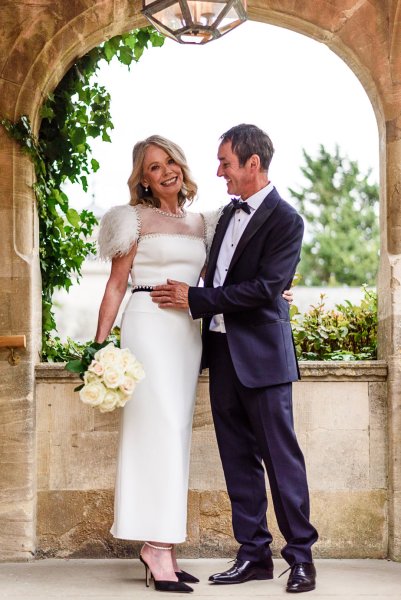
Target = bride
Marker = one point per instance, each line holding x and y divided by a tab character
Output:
153	239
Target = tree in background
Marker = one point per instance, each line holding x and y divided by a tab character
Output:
340	207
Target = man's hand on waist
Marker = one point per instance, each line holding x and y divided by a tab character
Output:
173	294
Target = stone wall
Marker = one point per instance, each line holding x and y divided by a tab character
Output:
340	414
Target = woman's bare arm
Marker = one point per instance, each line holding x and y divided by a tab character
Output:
114	293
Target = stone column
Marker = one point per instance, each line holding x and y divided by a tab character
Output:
390	316
19	314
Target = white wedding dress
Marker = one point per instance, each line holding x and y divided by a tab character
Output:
154	447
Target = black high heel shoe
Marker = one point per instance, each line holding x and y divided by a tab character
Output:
186	577
164	586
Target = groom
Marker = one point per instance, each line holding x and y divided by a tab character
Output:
248	347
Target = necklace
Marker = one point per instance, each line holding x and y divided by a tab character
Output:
169	214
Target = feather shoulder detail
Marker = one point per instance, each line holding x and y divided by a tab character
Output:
119	230
210	220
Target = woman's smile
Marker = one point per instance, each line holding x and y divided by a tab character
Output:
171	181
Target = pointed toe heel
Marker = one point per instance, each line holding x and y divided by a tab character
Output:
172	586
164	586
186	577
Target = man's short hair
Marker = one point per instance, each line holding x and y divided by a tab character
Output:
247	140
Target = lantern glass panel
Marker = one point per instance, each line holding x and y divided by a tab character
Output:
201	37
205	13
230	21
161	29
171	17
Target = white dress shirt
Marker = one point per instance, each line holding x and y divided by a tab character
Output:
235	229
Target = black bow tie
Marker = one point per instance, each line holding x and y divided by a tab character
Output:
241	204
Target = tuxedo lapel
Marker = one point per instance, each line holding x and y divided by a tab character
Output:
217	240
258	219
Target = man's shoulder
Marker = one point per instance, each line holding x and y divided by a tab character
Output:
283	207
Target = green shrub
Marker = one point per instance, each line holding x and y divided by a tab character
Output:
348	332
59	351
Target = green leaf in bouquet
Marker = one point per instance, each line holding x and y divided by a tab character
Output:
90	352
97	345
75	366
79	387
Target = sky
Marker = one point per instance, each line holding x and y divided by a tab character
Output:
296	89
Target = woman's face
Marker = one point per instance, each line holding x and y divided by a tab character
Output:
161	173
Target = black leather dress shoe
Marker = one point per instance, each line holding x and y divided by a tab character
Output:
245	570
302	578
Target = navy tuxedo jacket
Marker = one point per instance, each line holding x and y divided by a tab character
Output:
255	314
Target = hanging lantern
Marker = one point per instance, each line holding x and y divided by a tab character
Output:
194	21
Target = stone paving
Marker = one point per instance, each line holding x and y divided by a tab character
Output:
119	579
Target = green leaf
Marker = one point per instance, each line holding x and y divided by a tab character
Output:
75	366
156	39
78	136
138	51
95	165
84	182
130	41
143	37
110	50
73	217
125	55
46	112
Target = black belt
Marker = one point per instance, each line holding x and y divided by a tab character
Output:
142	288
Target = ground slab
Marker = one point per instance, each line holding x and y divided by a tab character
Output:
118	579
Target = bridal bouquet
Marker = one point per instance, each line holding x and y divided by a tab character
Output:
109	375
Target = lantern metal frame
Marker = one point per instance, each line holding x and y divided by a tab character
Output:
193	31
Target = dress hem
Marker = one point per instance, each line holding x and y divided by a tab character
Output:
161	539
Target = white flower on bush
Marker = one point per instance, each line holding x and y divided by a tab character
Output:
110	401
96	367
93	393
109	356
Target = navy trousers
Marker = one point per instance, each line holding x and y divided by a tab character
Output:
255	427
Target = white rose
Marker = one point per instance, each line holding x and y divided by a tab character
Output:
111	400
128	385
90	377
136	371
123	400
113	376
93	393
128	359
96	367
109	355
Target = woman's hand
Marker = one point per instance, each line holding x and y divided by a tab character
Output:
288	296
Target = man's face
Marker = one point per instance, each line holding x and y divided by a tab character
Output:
239	179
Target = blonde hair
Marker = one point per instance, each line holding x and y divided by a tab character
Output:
138	193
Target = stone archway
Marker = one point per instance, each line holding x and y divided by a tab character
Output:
39	42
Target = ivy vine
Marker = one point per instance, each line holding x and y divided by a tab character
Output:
77	111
